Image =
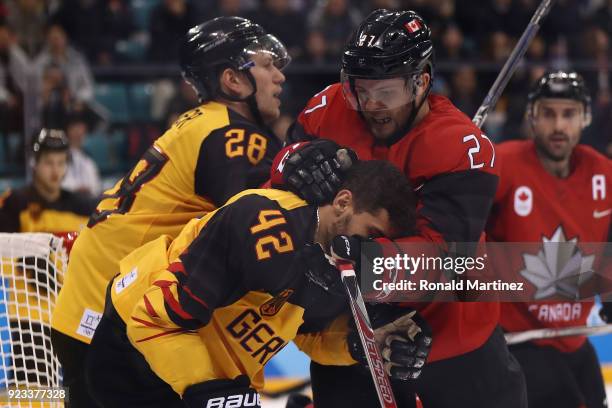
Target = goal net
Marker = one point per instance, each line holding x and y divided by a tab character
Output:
32	269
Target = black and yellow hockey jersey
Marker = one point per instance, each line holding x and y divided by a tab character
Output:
24	210
209	154
227	294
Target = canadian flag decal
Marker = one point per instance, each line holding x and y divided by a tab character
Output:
413	26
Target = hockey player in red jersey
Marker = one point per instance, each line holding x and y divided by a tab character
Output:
383	110
553	189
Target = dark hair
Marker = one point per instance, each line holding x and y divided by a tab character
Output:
377	184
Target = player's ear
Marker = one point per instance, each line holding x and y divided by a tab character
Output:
422	82
232	82
530	116
342	202
587	117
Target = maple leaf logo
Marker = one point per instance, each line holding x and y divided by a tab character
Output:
560	268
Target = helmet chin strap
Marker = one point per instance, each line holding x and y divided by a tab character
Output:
250	100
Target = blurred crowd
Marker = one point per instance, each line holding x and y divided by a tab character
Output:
50	48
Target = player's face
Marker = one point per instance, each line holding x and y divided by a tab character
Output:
385	104
368	224
557	125
269	80
50	169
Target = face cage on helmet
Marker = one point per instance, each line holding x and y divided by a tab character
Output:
373	95
267	45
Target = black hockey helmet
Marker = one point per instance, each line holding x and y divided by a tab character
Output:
226	42
49	140
561	85
387	44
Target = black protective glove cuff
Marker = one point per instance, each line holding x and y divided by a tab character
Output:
320	270
222	393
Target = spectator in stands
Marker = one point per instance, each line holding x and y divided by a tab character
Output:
43	206
602	17
277	17
55	97
453	47
185	99
169	22
316	51
337	20
82	175
73	65
13	69
220	8
27	18
464	90
95	26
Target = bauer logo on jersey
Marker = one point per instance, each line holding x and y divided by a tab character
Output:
523	201
272	306
126	281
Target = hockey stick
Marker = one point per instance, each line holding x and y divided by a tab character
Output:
521	337
510	66
366	334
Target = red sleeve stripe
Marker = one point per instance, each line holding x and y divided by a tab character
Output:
179	267
165	333
175	267
194	297
147	323
171	301
150	310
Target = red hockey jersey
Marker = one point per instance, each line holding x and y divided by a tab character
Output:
451	164
532	205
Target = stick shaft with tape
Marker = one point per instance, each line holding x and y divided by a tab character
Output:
366	334
510	66
537	334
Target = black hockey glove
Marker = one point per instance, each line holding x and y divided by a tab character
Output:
349	249
362	252
321	270
403	337
313	170
606	312
222	393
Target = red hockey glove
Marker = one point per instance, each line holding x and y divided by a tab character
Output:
313	170
403	337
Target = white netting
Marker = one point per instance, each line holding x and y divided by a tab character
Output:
32	270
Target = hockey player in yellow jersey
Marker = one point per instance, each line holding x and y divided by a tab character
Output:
43	205
209	154
192	322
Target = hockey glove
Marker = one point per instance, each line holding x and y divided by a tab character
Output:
606	312
222	393
320	269
362	252
313	170
403	337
